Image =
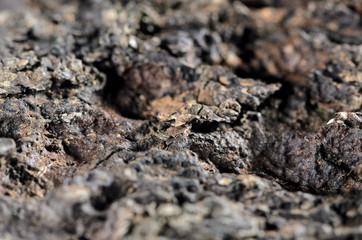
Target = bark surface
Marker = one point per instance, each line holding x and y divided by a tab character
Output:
180	119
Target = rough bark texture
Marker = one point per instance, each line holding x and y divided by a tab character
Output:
180	119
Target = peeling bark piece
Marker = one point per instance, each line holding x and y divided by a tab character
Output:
20	75
7	83
211	88
204	125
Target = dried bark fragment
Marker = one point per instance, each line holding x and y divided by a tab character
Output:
220	100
